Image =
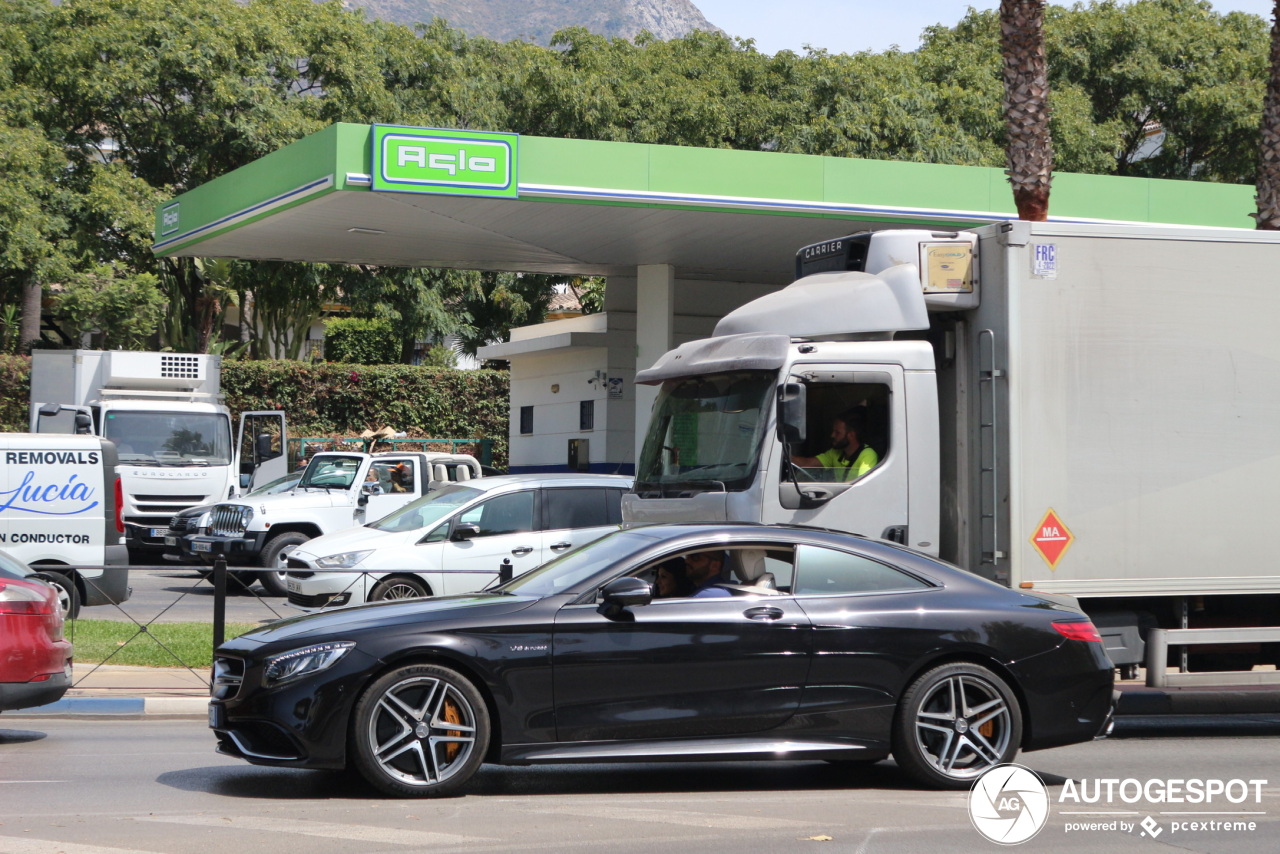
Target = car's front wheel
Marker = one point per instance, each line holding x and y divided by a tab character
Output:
398	587
953	723
420	731
273	559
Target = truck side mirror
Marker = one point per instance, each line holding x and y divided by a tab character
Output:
84	424
792	409
50	409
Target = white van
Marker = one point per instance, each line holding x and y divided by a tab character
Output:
60	504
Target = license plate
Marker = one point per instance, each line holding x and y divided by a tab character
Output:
292	585
170	541
199	546
217	716
159	532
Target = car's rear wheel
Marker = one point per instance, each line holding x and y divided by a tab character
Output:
399	587
420	731
953	723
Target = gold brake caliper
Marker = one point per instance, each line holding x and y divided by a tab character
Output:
453	715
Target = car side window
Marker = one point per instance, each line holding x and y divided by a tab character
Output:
505	514
575	507
613	505
828	572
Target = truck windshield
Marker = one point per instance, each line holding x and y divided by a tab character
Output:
169	438
427	510
705	434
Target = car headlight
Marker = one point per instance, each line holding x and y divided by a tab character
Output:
345	560
246	516
205	520
304	662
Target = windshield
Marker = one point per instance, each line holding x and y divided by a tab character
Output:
426	511
577	566
280	484
330	472
169	438
705	434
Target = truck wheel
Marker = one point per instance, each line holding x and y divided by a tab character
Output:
272	559
419	731
68	595
954	723
399	587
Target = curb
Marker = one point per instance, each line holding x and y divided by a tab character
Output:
173	707
1219	701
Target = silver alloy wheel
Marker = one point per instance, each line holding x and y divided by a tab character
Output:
401	590
411	736
963	726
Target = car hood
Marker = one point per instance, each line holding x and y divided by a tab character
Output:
351	540
344	622
284	502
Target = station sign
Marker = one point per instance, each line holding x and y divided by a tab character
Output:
440	161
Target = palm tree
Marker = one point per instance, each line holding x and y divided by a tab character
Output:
1026	108
1268	214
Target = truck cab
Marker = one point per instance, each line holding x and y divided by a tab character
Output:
737	412
167	418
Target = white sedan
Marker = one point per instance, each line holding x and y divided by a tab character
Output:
458	539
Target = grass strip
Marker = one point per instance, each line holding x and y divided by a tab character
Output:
191	643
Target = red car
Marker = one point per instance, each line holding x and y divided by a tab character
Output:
35	659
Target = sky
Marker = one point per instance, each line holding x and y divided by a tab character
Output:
848	26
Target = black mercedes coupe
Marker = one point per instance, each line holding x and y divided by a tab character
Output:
804	644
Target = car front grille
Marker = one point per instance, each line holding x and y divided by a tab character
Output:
226	521
320	600
298	568
228	677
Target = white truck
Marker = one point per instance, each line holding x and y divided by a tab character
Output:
60	514
1086	409
338	490
166	416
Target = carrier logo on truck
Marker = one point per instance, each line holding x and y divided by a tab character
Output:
1051	539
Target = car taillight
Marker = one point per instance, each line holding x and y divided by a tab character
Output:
119	507
1081	630
25	597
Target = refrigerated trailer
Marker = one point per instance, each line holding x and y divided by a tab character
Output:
1087	409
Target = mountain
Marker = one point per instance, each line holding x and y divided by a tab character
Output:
538	20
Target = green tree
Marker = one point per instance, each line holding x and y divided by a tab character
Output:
120	308
1268	214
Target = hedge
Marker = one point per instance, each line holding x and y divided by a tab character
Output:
330	399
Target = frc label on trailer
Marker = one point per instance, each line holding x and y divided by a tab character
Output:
423	160
1051	539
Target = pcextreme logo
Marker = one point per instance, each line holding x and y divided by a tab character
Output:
426	160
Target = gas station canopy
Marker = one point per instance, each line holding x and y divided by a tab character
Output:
446	198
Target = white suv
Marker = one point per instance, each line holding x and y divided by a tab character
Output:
457	539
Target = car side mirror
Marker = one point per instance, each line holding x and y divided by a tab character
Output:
792	399
627	592
465	531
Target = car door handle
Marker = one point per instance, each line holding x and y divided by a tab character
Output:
521	551
764	614
560	546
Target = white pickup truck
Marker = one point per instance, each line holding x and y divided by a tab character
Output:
338	490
